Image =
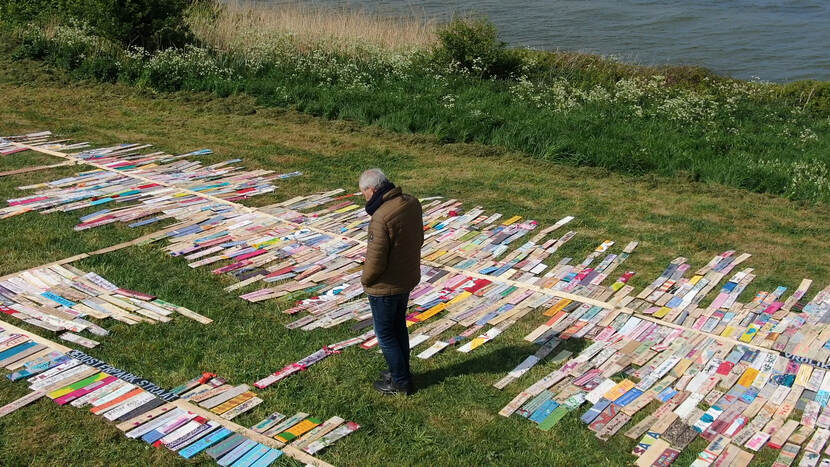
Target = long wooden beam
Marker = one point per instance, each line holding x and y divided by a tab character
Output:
144	238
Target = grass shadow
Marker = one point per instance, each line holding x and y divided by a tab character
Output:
495	362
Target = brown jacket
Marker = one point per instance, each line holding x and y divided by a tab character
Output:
393	251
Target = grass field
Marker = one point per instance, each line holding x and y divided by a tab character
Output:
452	420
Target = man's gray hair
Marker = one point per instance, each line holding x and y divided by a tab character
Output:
372	178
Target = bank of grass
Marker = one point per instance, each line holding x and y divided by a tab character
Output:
453	420
460	84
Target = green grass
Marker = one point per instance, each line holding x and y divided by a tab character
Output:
453	420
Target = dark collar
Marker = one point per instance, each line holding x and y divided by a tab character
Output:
377	199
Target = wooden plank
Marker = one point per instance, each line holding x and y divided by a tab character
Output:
25	355
116	247
224	396
18	364
145	417
36	168
23	401
40	340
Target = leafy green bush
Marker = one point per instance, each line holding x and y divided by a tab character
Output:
89	56
26	11
152	24
474	46
101	67
131	65
33	44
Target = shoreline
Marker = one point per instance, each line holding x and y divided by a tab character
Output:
778	47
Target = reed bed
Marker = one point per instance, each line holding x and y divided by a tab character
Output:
235	24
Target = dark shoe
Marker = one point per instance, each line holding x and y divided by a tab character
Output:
386	376
390	388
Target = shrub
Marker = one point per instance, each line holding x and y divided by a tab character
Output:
25	11
33	44
474	46
67	46
102	67
152	24
131	65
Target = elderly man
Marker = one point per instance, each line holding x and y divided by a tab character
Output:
391	270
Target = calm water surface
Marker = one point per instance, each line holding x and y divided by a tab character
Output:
783	40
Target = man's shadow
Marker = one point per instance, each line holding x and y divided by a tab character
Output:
494	361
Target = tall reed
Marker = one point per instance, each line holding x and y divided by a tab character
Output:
234	24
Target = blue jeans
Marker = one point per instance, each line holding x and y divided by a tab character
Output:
389	315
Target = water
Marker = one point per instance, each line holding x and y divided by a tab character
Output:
774	40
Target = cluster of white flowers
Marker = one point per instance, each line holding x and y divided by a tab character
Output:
188	63
454	68
642	97
792	127
689	107
75	37
257	48
133	59
529	92
282	93
136	53
172	65
809	180
807	135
